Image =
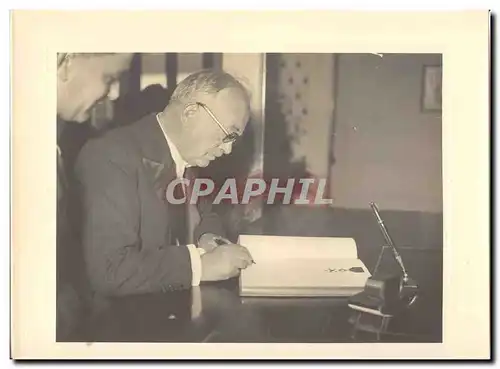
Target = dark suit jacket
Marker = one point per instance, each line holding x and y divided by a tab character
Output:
70	302
128	226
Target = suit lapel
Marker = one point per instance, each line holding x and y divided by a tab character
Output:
160	169
150	140
153	168
156	158
157	175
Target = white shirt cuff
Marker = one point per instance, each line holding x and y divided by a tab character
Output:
196	306
195	254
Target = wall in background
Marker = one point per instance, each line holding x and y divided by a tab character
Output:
250	70
300	88
386	148
153	70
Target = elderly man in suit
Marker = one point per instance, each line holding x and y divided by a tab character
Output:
134	239
82	80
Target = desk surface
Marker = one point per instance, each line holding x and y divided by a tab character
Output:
226	317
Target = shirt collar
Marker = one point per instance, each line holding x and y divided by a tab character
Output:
180	163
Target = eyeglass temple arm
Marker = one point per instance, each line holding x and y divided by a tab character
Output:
213	117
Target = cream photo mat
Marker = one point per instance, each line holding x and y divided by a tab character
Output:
462	38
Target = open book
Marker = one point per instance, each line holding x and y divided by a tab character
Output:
302	266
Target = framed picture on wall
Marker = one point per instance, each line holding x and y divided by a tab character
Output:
432	88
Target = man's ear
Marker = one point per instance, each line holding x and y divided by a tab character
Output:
189	112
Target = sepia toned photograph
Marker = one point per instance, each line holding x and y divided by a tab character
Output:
313	192
255	194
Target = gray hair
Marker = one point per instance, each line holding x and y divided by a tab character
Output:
206	82
62	57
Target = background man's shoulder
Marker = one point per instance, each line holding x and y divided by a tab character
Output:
116	145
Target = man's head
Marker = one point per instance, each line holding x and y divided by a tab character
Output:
84	79
211	110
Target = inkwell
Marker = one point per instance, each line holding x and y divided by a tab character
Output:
385	295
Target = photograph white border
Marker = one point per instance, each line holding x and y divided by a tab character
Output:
464	43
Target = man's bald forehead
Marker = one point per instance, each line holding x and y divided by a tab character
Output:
235	95
203	84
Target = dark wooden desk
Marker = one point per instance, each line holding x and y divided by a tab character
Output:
228	318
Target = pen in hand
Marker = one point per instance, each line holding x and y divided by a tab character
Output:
221	241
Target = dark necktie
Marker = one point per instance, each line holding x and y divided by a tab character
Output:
185	214
179	228
192	214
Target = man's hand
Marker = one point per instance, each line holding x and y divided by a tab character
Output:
224	262
209	241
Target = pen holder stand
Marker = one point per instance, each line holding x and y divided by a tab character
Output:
386	295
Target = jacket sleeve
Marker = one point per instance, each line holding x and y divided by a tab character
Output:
116	263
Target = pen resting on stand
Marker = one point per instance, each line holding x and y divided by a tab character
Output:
389	241
384	296
409	286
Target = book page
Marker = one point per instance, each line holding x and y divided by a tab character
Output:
269	248
296	273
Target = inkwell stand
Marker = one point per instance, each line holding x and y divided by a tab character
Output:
385	294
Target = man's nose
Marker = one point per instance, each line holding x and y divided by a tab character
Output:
227	147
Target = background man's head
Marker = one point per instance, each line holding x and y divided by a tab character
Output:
212	109
84	79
